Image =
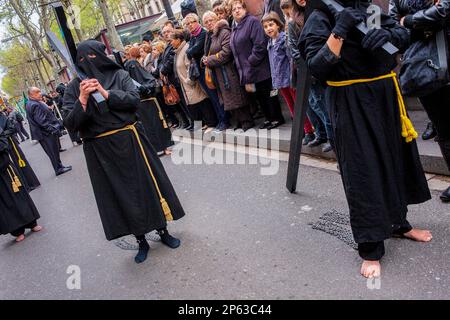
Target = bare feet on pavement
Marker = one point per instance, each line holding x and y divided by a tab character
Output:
371	269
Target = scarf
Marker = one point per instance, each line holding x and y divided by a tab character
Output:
197	31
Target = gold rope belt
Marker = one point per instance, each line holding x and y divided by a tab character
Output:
161	116
15	181
22	163
132	127
408	131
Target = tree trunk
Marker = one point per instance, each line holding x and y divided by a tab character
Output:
109	22
202	6
73	18
31	32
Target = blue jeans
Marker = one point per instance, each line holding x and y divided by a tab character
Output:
319	111
214	97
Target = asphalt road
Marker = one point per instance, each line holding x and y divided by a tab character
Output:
244	237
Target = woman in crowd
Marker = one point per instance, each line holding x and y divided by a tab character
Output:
421	16
318	112
149	111
166	71
249	47
380	167
146	53
133	192
195	53
157	50
196	99
219	58
222	8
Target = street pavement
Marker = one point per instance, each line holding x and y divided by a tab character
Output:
244	237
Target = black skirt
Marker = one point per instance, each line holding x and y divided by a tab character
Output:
16	208
381	173
126	195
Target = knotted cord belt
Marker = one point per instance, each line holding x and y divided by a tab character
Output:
408	131
132	127
22	163
161	117
15	181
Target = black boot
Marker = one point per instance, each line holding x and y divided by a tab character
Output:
445	148
143	249
430	132
168	240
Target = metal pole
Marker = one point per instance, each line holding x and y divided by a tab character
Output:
168	8
301	106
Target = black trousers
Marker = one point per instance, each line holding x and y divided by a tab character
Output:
21	131
50	144
243	117
437	106
270	106
203	111
374	251
21	231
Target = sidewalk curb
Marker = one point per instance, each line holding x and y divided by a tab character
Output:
431	164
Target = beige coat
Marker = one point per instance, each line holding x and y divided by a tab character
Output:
192	91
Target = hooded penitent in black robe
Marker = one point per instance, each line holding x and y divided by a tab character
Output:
381	173
125	192
25	171
149	111
16	207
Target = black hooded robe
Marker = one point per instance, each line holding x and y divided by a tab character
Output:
16	208
149	110
25	172
126	195
381	173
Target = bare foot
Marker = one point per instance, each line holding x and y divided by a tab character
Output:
20	238
37	229
371	269
419	235
167	152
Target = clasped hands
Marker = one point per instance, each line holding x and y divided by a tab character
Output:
89	86
350	18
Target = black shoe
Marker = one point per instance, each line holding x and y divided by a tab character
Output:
430	132
308	138
62	150
143	251
327	148
317	142
265	125
79	142
63	170
168	240
445	196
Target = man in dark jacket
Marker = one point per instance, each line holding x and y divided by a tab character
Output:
45	128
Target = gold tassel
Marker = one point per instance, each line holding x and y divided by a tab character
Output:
22	163
166	210
15	187
13	180
17	181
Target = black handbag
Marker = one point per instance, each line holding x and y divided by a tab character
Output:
194	71
425	66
